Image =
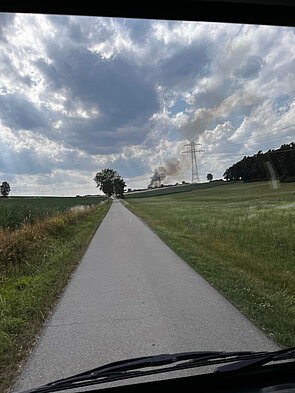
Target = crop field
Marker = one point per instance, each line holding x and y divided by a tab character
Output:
240	237
14	212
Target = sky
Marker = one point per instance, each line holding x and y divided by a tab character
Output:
79	94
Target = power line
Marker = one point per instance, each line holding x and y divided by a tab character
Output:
192	151
261	135
247	153
249	139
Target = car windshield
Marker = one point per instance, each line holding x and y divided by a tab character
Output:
147	176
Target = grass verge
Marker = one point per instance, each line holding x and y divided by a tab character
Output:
240	238
36	263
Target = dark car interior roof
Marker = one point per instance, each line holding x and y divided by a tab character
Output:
268	12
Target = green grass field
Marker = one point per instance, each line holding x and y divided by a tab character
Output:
174	190
241	240
14	212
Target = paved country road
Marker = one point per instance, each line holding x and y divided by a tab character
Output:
133	296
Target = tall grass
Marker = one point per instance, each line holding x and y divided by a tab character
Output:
36	261
16	244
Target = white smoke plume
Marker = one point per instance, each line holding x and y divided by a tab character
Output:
202	117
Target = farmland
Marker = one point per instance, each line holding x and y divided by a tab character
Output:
240	237
14	212
173	189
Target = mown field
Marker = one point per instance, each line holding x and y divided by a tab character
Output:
241	238
37	259
14	212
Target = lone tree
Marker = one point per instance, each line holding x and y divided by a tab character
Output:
119	185
5	189
209	177
110	182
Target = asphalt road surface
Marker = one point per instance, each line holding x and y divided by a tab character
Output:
133	296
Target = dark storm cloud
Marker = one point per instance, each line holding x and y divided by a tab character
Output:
68	27
18	113
184	66
125	99
121	90
5	21
84	134
75	33
139	29
250	68
53	78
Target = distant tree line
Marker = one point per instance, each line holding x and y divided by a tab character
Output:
254	168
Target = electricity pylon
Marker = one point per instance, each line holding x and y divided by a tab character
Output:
192	151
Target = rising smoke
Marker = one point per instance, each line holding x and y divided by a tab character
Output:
204	118
171	168
201	120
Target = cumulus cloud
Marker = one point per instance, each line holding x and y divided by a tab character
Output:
239	102
250	68
18	113
81	93
125	100
181	70
5	21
